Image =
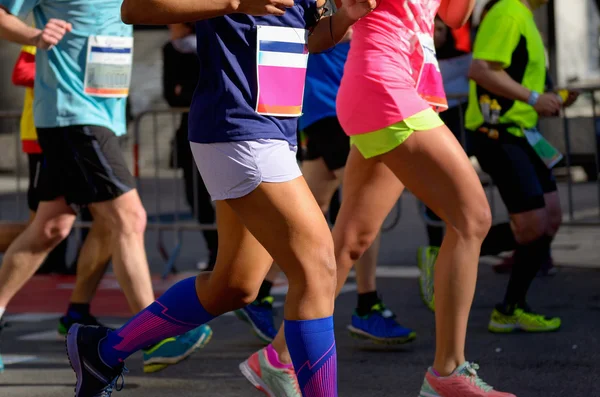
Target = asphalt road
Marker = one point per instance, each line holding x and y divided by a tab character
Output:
551	365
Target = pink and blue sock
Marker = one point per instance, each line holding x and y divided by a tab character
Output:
176	312
312	348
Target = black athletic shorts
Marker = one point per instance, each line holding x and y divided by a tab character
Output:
327	140
521	176
84	164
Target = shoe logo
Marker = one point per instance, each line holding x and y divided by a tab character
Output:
94	372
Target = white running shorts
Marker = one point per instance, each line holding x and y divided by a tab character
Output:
232	170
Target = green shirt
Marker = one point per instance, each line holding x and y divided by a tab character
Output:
508	35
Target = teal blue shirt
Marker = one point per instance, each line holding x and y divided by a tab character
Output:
59	97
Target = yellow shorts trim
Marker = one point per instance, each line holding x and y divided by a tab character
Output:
385	140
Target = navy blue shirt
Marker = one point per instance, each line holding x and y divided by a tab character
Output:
223	108
323	79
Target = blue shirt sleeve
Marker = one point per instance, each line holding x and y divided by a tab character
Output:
19	8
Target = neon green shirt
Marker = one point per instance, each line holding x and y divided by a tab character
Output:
509	35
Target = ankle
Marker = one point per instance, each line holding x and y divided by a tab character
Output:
366	301
446	367
278	360
78	310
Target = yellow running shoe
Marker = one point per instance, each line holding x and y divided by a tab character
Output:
426	257
521	320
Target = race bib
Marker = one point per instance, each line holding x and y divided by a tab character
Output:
548	153
281	59
108	66
429	82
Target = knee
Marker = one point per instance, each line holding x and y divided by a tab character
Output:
317	273
354	243
130	219
476	222
530	227
53	231
236	297
221	298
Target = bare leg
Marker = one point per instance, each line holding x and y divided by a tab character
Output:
126	217
371	188
8	234
307	260
435	168
93	260
321	181
366	268
25	255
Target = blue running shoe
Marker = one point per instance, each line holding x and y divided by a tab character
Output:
380	326
94	378
259	314
174	350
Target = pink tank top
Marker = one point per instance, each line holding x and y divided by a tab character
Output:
391	72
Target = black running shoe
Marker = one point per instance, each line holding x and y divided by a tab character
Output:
67	322
94	378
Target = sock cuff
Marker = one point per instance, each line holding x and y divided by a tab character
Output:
309	326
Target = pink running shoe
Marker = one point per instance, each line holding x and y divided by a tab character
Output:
268	378
463	382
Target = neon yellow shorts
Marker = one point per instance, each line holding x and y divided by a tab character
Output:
387	139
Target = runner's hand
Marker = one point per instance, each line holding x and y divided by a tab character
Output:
573	95
356	9
52	33
264	7
548	104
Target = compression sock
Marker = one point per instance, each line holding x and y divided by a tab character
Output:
528	260
77	311
499	239
366	302
312	348
176	312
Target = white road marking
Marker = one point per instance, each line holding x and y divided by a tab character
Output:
11	359
394	272
32	317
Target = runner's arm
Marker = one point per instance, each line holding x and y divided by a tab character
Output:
17	31
493	77
165	12
330	30
455	13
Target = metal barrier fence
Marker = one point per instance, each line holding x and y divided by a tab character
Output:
157	183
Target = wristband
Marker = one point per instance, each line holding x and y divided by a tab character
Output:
533	98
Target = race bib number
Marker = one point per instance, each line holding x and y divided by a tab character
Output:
548	153
281	59
108	66
429	82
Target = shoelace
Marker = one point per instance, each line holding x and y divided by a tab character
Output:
383	310
471	373
540	318
114	385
